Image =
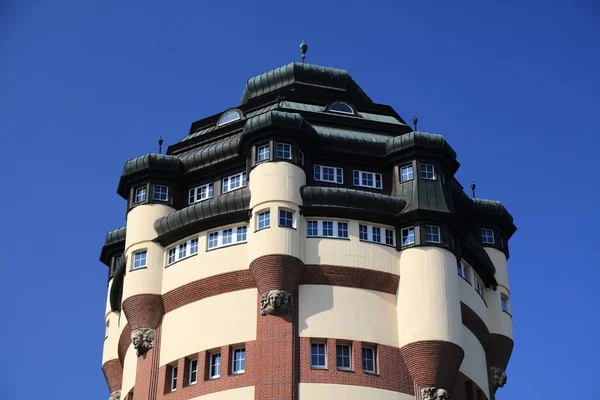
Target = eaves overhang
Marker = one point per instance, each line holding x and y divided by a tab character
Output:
149	165
115	240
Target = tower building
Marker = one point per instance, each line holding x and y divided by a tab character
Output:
306	243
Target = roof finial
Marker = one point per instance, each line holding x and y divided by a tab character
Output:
160	142
415	120
473	185
303	48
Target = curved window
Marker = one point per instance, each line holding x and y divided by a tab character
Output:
229	117
341	108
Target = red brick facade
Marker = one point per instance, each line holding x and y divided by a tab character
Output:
144	310
113	373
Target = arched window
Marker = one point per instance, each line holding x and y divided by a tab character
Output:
229	117
341	108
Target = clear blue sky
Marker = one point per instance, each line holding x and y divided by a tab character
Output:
85	87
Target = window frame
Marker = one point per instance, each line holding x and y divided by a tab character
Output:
192	371
145	258
463	269
211	364
266	155
423	168
292	221
154	187
337	356
301	157
407	236
195	193
478	285
319	343
233	360
485	237
135	194
173	379
227	182
220	122
439	234
374	357
335	229
411	173
219	237
289	151
330	108
382	235
504	303
174	252
337	171
377	184
266	219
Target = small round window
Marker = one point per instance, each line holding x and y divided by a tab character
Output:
229	117
342	108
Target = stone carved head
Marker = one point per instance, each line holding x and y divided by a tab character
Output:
499	377
116	395
275	302
432	393
142	340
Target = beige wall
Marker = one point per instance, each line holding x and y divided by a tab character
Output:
320	391
276	181
232	394
499	260
347	313
205	324
428	296
140	222
129	371
205	263
471	298
110	351
499	321
352	253
474	365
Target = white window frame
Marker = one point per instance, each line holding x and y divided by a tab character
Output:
486	234
174	252
192	369
424	170
144	259
382	234
324	366
234	237
337	173
335	228
140	198
154	187
287	211
340	111
233	360
301	157
478	285
212	363
226	182
195	194
464	271
283	150
374	354
266	155
222	121
264	218
173	379
504	303
405	234
376	178
410	173
349	346
439	233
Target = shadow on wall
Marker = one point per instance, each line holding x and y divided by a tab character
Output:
314	306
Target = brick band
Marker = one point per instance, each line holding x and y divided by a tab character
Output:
277	271
113	373
360	278
144	310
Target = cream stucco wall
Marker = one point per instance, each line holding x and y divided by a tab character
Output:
208	323
351	253
320	391
129	370
428	296
232	394
111	342
205	263
472	299
474	363
140	222
499	260
499	321
347	313
107	309
276	181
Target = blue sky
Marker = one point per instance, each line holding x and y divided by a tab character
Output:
85	86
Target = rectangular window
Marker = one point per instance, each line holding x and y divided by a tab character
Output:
213	240
171	256
312	228
408	236
504	303
327	228
201	193
427	171
317	355
286	218
487	236
301	157
432	234
139	260
478	285
406	173
193	246
264	220
193	371
234	182
241	233
239	361
140	194
325	173
389	237
284	150
262	153
367	179
342	229
376	234
227	236
363	232
182	250
368	359
464	270
215	366
343	356
173	378
160	192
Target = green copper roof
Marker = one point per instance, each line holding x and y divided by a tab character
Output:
152	160
492	207
307	74
115	236
421	139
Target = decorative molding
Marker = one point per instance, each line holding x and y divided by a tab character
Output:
432	393
275	302
142	340
499	377
116	395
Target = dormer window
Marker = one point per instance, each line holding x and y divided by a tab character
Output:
229	117
342	108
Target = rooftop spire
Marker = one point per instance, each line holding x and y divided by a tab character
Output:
303	49
473	185
415	120
160	142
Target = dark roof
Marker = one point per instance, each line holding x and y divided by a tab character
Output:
304	74
146	164
420	139
493	211
115	241
211	153
116	290
475	254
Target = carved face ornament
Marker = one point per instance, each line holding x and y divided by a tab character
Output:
136	339
275	300
441	394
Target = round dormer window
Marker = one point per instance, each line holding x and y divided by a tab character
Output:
342	108
229	117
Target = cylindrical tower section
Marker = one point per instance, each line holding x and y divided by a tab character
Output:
429	318
111	366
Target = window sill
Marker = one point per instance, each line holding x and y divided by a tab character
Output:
383	244
288	227
466	280
212	378
262	229
235	373
374	373
319	368
328	237
345	369
226	245
367	187
137	269
200	201
431	242
509	314
181	259
407	246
